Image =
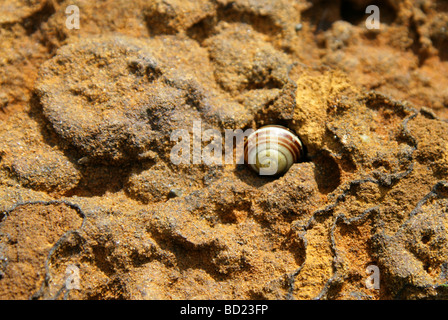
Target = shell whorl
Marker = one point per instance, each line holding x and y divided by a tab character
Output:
272	150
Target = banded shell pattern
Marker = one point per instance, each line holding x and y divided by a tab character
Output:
272	150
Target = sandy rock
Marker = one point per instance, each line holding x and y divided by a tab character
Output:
86	117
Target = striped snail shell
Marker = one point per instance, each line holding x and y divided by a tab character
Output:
272	150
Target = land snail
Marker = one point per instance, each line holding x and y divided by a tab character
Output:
272	150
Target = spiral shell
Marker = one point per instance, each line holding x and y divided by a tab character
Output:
272	150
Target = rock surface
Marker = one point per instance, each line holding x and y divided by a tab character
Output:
93	207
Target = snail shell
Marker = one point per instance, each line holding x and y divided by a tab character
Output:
272	150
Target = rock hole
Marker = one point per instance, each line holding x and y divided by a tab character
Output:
327	172
441	5
158	23
321	14
202	29
144	67
426	238
417	46
33	22
440	42
261	23
427	266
